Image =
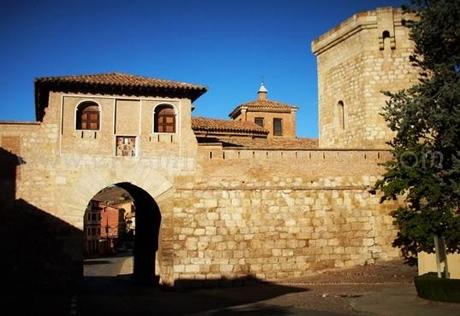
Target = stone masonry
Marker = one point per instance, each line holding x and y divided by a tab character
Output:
357	60
233	212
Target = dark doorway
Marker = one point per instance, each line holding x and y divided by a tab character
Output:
122	225
148	219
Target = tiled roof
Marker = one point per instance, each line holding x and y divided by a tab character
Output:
204	124
113	83
121	79
263	106
264	143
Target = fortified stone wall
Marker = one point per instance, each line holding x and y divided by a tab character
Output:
357	60
234	212
57	185
244	216
35	146
270	214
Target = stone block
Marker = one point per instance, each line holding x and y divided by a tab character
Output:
192	268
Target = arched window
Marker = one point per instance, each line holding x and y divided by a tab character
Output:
385	45
88	116
341	114
164	119
385	34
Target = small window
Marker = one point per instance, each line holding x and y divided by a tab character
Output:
386	41
164	119
385	34
259	121
277	127
88	116
341	114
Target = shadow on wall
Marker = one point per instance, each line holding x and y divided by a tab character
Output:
38	249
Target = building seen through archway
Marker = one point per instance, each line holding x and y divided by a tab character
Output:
109	223
123	220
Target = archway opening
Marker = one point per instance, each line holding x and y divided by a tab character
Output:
121	229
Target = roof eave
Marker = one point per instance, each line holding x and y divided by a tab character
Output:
44	86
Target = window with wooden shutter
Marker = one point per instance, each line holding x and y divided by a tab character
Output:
88	116
277	127
259	121
165	119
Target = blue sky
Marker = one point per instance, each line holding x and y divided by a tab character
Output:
229	46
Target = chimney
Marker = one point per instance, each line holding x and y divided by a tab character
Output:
262	93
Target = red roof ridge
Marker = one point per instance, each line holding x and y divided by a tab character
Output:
113	81
274	102
266	105
201	123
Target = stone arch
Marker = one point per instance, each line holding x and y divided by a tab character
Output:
148	220
74	196
146	237
76	192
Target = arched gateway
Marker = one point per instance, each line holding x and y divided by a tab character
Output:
117	215
150	191
148	219
216	199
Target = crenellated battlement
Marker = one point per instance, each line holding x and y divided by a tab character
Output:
357	60
380	18
355	155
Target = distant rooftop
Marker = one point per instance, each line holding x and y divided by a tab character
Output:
204	125
263	143
263	104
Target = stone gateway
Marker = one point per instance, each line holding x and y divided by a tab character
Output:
222	198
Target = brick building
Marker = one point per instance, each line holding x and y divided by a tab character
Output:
108	217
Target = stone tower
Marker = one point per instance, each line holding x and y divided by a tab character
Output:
366	54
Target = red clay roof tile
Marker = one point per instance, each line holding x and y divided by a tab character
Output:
218	125
112	83
264	143
263	106
120	79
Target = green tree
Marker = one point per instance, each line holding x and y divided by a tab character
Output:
425	170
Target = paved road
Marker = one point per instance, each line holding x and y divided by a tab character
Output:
104	267
105	293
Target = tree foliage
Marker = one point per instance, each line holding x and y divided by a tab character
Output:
425	169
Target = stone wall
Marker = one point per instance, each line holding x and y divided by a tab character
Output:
357	60
121	116
233	212
56	187
35	145
225	213
271	225
279	214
